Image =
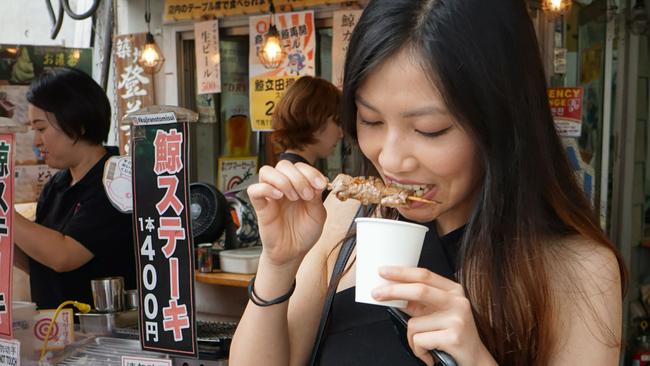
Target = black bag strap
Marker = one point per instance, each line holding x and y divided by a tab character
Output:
344	255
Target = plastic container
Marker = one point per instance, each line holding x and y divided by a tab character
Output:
23	315
244	260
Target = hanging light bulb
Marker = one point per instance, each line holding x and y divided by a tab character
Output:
556	6
151	58
271	53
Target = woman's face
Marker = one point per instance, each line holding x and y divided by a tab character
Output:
405	130
328	137
57	149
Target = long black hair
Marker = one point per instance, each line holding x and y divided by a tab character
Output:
483	56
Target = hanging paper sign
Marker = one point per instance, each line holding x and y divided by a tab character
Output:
164	237
133	86
6	234
344	23
144	361
298	39
566	107
232	172
62	332
9	352
182	10
265	93
208	73
117	182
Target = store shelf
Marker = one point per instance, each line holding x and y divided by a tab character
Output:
224	278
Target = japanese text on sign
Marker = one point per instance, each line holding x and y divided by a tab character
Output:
144	361
9	352
163	237
208	71
265	93
232	172
178	10
6	240
344	23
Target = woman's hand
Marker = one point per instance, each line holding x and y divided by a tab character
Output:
289	209
441	315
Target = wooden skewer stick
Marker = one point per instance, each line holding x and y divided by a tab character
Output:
423	200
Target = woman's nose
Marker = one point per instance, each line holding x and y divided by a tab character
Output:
37	139
395	155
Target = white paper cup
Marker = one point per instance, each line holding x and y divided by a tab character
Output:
382	242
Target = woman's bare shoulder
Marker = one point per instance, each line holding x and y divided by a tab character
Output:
585	287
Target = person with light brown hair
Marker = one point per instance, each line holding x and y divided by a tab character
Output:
306	121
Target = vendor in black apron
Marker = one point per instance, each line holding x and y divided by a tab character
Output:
77	235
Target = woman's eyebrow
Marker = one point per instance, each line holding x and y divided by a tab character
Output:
423	111
364	103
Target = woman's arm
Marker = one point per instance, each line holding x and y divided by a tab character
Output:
284	334
588	306
51	248
20	260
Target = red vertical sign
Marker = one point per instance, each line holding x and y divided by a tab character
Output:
6	237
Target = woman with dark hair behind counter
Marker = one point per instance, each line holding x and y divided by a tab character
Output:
77	235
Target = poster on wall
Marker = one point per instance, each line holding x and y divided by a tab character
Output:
163	235
6	234
182	10
266	86
133	85
233	172
344	23
234	100
566	108
208	73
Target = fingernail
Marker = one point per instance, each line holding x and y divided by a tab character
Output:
386	271
377	293
307	193
276	193
320	182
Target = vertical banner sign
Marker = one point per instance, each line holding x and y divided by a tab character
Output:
6	234
566	107
344	22
163	234
133	86
266	86
208	73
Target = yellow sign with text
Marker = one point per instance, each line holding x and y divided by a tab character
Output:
179	10
265	93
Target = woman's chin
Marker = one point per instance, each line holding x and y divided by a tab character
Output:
419	214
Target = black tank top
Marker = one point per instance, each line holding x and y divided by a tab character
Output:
363	334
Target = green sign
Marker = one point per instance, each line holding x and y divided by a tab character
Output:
21	64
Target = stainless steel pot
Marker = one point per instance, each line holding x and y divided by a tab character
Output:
131	299
108	294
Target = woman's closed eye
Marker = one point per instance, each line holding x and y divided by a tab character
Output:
370	123
434	133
